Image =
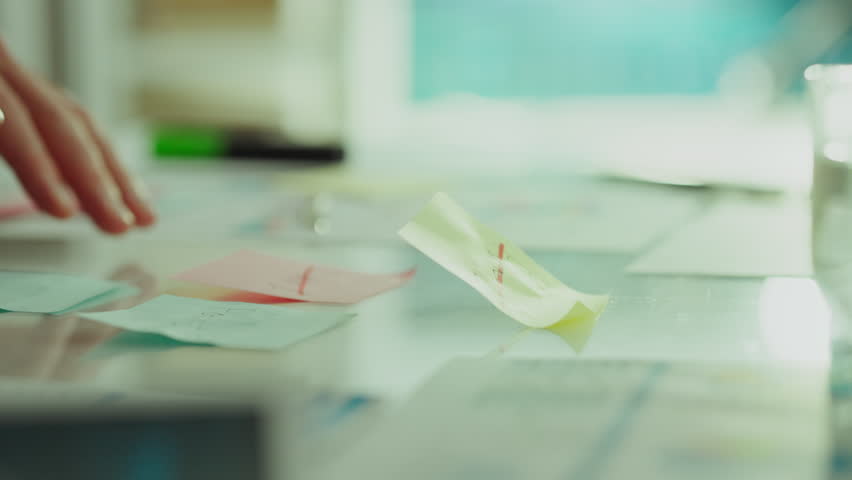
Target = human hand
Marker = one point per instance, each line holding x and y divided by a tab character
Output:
59	156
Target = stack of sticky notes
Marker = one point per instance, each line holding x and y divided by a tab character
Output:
55	293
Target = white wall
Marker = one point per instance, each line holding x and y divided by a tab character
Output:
96	60
24	26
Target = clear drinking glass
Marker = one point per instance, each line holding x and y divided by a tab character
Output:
830	90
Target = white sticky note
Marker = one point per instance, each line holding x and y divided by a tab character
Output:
34	292
738	237
502	272
588	217
227	324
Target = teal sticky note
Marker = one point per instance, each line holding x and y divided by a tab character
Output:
227	324
35	292
117	293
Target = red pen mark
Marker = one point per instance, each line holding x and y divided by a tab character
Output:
500	266
304	281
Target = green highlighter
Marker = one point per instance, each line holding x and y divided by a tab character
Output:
210	144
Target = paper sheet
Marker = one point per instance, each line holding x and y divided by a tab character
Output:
597	216
34	292
502	272
227	324
605	419
269	275
580	215
739	237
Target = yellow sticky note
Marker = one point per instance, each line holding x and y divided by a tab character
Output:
502	272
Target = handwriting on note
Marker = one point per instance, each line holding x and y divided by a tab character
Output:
502	272
54	293
227	324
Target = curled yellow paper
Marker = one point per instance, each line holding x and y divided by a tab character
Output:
502	272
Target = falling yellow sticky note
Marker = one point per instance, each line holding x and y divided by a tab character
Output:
502	272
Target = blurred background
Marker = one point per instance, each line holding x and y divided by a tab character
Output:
684	91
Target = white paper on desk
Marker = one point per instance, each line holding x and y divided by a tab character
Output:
35	292
737	237
565	419
227	324
588	216
600	216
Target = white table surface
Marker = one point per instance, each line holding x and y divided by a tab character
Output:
399	338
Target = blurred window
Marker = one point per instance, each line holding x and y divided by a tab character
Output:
550	48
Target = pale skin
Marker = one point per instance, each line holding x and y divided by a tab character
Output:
61	158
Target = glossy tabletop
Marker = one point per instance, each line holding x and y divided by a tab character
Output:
399	338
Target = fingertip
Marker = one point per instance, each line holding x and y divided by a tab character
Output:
139	202
63	214
67	205
127	217
111	218
58	206
146	221
145	216
112	227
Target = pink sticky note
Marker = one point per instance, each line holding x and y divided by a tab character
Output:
269	275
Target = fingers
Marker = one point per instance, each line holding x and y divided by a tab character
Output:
26	154
74	152
132	192
78	151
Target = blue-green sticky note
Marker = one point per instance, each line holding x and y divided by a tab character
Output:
117	293
227	324
36	292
